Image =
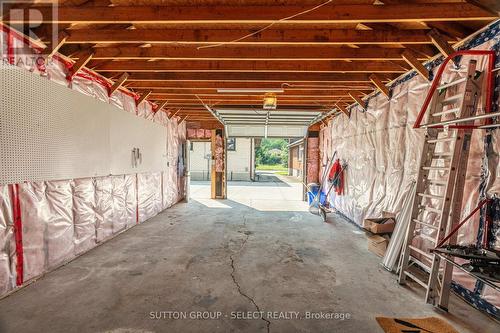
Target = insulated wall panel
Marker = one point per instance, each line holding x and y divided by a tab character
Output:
49	132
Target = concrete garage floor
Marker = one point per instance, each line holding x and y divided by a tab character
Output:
246	254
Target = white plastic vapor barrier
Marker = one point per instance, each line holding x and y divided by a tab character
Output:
383	150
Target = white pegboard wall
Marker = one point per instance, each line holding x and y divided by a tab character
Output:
50	132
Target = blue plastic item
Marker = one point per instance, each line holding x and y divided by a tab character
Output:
311	194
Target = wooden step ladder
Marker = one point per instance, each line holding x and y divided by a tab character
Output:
440	183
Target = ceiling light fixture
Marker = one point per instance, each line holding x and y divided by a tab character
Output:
270	102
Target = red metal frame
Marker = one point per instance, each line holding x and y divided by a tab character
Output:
481	204
435	83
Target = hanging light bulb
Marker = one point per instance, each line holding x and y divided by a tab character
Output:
270	101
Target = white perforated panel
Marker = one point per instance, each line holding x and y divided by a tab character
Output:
50	132
128	132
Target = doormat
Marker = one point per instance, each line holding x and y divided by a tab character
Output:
415	325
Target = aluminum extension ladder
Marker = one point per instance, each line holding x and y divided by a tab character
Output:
440	184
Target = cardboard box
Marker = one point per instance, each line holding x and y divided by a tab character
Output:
381	225
378	244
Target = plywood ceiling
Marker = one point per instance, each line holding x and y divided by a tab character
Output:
182	51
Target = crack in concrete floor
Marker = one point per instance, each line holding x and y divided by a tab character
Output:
238	286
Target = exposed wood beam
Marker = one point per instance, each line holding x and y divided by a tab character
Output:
452	29
343	109
286	94
182	86
183	118
143	97
254	101
174	113
118	83
161	105
53	49
271	36
356	97
250	53
258	77
253	66
267	14
81	62
410	58
441	43
380	85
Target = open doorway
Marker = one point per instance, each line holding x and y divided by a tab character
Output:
259	174
200	166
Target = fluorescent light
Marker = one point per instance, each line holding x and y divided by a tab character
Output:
250	90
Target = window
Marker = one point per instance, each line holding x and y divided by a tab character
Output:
191	146
231	144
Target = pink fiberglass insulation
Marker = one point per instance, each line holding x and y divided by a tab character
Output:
65	218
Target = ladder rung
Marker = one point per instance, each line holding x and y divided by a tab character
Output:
436	168
420	264
426	224
427	255
437	182
431	196
454	110
452	83
430	209
443	154
452	99
429	238
417	280
441	140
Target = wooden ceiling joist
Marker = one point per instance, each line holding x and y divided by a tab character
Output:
441	43
356	96
179	86
343	109
379	84
81	62
161	105
257	77
271	36
54	48
251	53
143	97
253	66
118	83
242	14
410	58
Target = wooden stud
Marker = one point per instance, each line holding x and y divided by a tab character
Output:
441	43
61	39
417	65
118	83
143	97
161	105
343	109
174	114
380	85
356	97
82	61
183	118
